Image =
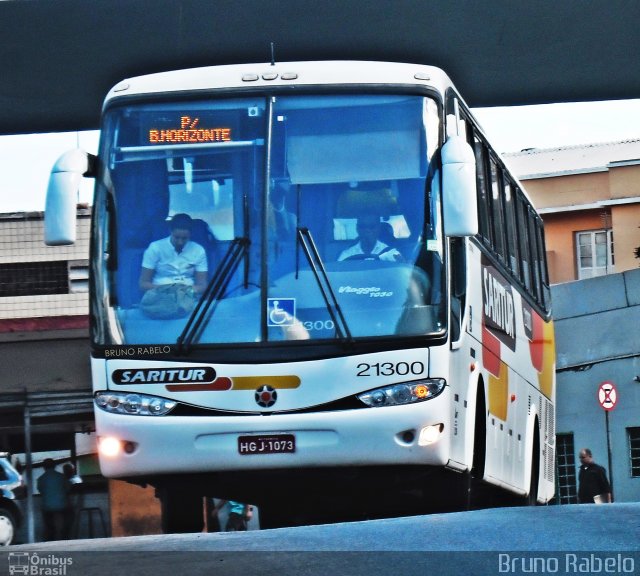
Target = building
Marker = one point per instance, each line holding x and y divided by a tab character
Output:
44	367
597	323
46	406
589	199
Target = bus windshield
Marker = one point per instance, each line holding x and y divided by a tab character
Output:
265	219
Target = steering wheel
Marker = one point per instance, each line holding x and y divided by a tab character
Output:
362	257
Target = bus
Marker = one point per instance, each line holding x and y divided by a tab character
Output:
371	319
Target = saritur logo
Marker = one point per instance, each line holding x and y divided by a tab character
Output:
194	374
498	308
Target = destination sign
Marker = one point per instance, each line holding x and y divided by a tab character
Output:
189	131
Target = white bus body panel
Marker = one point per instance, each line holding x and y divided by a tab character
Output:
210	444
367	436
322	74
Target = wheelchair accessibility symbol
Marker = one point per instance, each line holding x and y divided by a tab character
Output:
281	311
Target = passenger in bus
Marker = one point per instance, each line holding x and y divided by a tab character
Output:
285	222
369	245
174	271
282	226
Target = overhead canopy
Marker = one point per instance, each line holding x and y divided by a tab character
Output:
59	58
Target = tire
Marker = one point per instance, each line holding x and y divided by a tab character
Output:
532	498
7	527
479	437
473	480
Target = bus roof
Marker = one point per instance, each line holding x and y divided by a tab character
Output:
316	73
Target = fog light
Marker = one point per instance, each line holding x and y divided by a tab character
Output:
109	446
129	447
430	434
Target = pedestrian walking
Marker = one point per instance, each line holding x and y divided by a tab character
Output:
592	479
54	491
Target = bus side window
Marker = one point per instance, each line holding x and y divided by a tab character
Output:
497	216
483	192
523	236
537	260
546	292
511	227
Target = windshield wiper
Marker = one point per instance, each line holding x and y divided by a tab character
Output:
322	279
213	292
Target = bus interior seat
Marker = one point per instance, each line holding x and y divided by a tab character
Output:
386	234
130	261
202	234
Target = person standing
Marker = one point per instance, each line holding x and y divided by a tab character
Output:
239	516
592	479
74	498
54	491
237	519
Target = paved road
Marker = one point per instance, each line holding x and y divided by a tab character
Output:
553	539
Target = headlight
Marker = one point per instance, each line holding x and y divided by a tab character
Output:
403	393
135	404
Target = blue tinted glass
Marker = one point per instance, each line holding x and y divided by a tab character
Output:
343	239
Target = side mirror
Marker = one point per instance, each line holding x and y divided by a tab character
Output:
62	197
460	205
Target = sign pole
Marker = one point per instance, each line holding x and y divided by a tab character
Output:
608	398
606	416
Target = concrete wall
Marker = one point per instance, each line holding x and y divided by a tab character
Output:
598	339
568	190
47	365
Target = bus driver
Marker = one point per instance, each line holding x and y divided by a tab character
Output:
369	247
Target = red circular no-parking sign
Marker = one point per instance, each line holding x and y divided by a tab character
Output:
607	396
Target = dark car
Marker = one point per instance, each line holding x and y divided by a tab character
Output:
11	492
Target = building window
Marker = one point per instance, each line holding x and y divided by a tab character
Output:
44	278
34	278
566	463
634	451
594	253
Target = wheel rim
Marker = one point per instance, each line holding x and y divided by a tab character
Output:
6	530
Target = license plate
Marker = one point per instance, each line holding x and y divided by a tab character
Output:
271	444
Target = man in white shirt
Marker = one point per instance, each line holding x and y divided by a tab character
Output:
175	259
368	246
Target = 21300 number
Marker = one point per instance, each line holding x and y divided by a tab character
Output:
391	369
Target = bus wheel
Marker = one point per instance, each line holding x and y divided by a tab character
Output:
182	512
474	479
532	498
